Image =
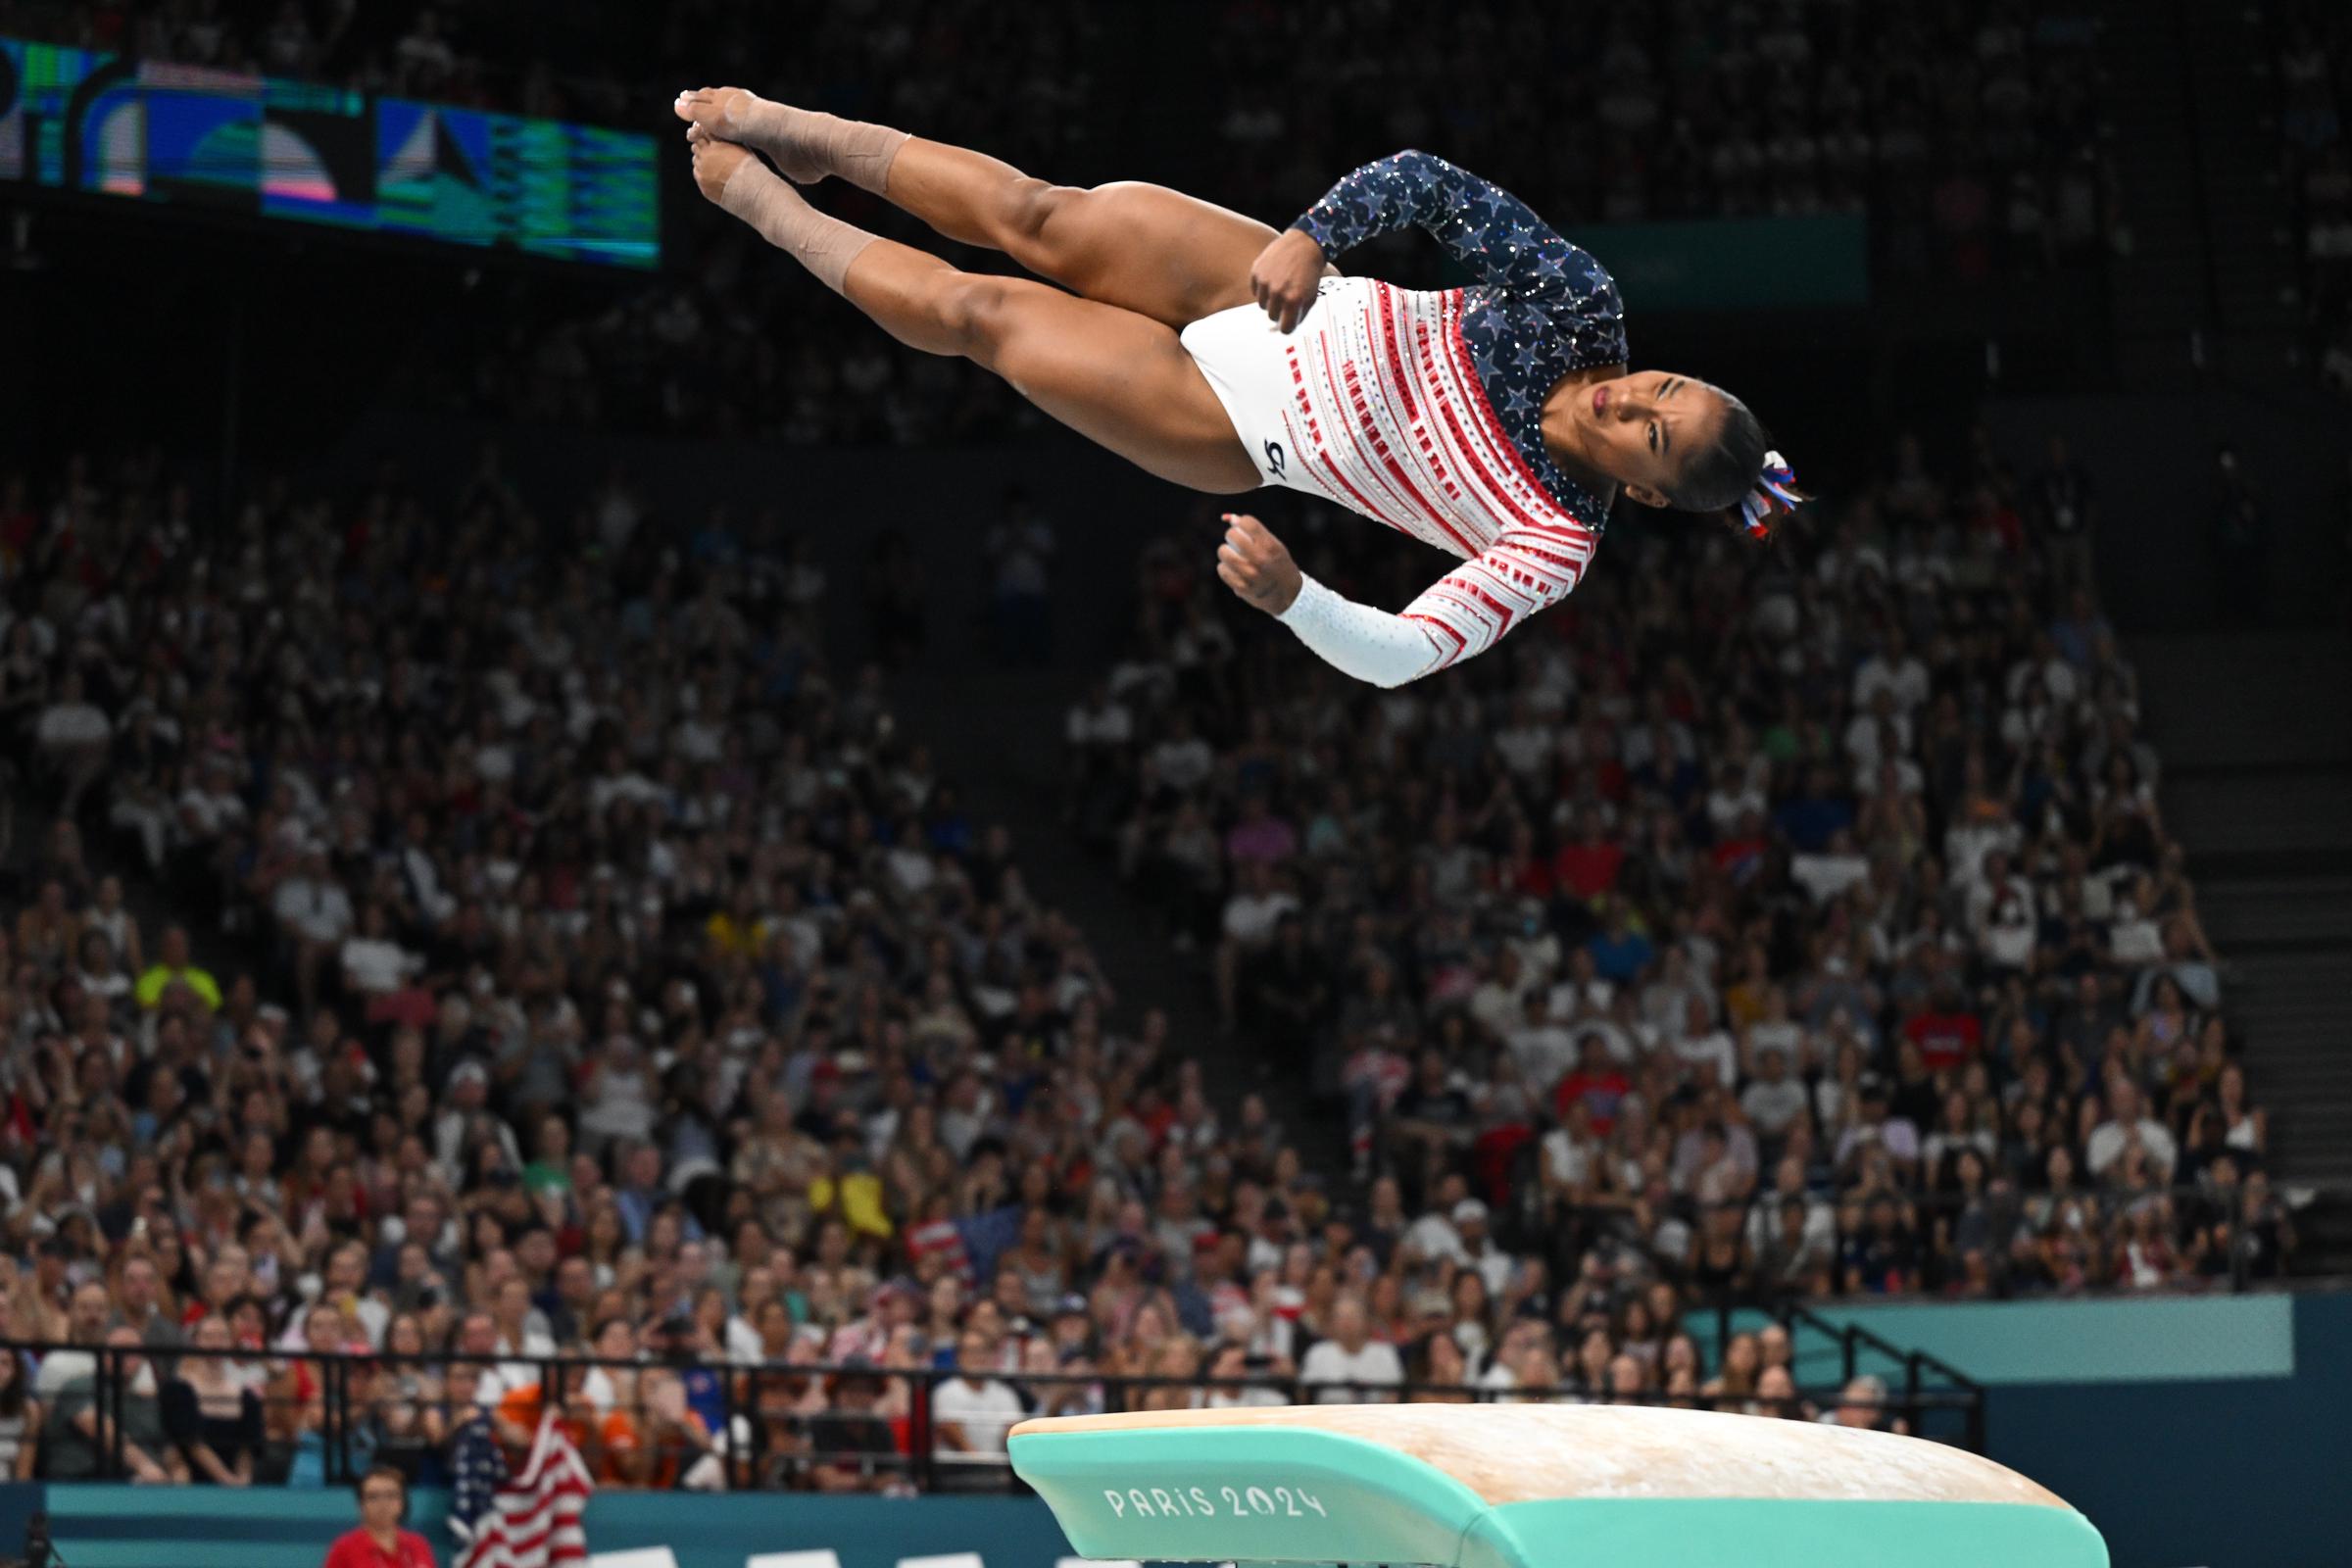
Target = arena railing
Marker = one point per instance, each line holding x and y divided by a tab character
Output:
2112	1207
322	1419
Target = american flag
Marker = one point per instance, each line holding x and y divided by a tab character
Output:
534	1519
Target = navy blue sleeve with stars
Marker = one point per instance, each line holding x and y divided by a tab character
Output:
1492	232
1543	306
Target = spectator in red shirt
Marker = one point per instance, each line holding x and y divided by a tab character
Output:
1598	1082
1947	1033
379	1541
1589	867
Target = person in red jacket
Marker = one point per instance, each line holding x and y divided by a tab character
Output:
379	1541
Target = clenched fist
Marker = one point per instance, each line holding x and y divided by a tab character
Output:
1254	565
1285	276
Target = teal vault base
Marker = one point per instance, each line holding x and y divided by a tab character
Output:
1259	1495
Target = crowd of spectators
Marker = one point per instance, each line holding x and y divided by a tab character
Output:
588	969
2314	68
1804	914
1969	132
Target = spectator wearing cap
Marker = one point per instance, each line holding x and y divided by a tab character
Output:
1072	1328
466	1121
1488	1261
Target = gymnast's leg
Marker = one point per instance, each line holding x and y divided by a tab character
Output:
1144	247
1117	378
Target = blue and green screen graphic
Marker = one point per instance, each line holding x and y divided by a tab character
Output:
78	119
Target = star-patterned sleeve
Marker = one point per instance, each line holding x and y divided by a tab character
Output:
1461	614
1489	231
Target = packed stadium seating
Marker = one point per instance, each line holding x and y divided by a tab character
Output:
475	958
592	969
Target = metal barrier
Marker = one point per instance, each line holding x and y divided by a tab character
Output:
322	1419
1536	1227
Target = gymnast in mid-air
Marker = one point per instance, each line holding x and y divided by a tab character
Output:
1497	422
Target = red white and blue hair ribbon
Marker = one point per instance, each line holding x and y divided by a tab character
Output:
1775	492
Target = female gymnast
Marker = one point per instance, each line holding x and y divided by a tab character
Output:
1496	422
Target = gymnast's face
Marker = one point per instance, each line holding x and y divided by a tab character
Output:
1639	430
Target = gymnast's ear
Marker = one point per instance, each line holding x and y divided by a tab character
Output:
1645	495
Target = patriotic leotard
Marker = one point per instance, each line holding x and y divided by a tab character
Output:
1423	410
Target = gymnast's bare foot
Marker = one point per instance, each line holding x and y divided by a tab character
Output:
806	144
739	114
715	162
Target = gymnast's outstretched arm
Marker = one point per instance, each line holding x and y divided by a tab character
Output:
1526	569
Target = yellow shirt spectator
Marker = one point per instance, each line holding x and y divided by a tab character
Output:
160	977
860	1197
735	936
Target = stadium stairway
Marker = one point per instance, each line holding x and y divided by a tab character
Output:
999	734
2253	264
2192	134
2255	730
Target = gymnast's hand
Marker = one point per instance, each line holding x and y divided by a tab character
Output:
1255	565
1285	275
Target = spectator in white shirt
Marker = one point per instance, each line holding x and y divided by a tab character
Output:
972	1412
1495	1004
1895	669
523	1333
1256	907
1880	732
1432	1236
373	963
1493	1265
1701	1041
1350	1367
315	913
422	56
1182	762
72	733
2125	1117
1102	719
1581	990
1734	795
1543	1048
1774	1099
1777	1031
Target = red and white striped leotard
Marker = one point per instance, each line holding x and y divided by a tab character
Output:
1422	410
1387	417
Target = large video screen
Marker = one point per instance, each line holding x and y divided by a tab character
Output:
76	120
